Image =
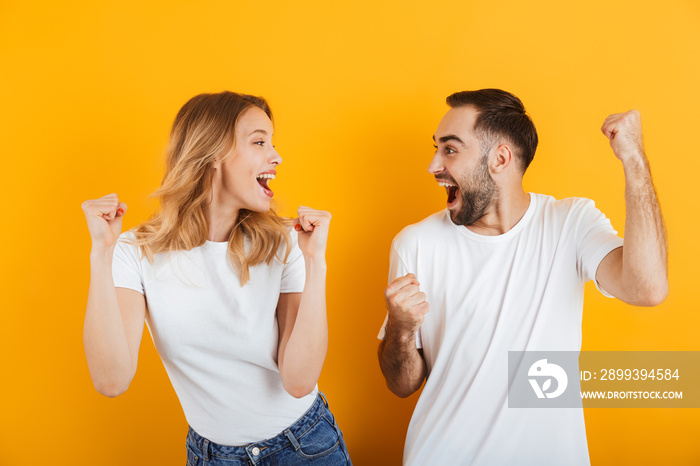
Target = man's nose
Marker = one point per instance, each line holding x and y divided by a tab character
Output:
436	165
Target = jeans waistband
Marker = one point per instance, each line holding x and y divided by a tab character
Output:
258	450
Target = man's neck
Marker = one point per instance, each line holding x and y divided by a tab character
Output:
504	214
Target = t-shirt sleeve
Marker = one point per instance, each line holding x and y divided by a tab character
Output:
294	272
126	265
596	239
397	268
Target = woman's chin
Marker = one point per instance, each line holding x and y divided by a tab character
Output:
261	202
261	207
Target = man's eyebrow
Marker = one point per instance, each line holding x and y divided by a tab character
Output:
450	137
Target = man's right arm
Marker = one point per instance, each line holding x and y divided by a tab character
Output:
401	362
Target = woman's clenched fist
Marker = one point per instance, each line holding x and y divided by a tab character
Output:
104	220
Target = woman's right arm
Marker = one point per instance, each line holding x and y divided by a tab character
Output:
114	317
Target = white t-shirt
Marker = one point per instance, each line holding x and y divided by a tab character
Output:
218	339
519	291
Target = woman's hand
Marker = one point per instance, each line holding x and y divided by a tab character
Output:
312	226
104	219
301	317
114	316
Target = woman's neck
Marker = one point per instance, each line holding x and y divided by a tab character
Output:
221	218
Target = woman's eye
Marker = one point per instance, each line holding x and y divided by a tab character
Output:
260	143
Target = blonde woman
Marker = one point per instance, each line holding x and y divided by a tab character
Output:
233	295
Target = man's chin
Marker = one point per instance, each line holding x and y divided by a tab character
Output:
459	217
455	216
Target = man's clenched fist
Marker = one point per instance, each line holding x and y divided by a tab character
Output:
406	304
624	130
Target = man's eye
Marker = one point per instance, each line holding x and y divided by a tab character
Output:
435	146
449	150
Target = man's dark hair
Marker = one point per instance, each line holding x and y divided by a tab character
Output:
501	115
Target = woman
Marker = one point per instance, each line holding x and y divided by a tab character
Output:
233	296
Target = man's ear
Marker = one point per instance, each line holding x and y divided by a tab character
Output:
502	158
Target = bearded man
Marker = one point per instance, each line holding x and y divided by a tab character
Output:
504	270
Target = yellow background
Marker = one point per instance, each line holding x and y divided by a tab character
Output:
88	91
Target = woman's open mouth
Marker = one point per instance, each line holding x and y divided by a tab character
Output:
263	179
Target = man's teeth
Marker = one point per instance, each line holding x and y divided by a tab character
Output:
447	185
268	176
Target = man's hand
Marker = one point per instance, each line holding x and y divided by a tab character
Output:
406	304
624	130
401	362
637	272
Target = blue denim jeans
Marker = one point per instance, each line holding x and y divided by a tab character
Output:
314	439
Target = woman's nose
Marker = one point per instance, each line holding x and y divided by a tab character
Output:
275	158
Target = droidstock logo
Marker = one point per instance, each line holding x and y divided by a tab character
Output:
545	372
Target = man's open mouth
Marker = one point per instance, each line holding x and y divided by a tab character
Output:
452	191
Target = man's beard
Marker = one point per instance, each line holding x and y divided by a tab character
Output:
482	193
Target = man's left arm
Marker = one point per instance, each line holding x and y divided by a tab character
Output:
637	272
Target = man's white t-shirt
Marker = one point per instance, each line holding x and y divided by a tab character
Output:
216	338
519	291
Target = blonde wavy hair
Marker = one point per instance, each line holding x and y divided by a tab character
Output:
202	134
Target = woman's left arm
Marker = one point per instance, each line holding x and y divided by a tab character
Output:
301	317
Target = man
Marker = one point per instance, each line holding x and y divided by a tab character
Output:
504	270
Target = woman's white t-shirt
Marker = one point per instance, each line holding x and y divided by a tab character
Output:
218	339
